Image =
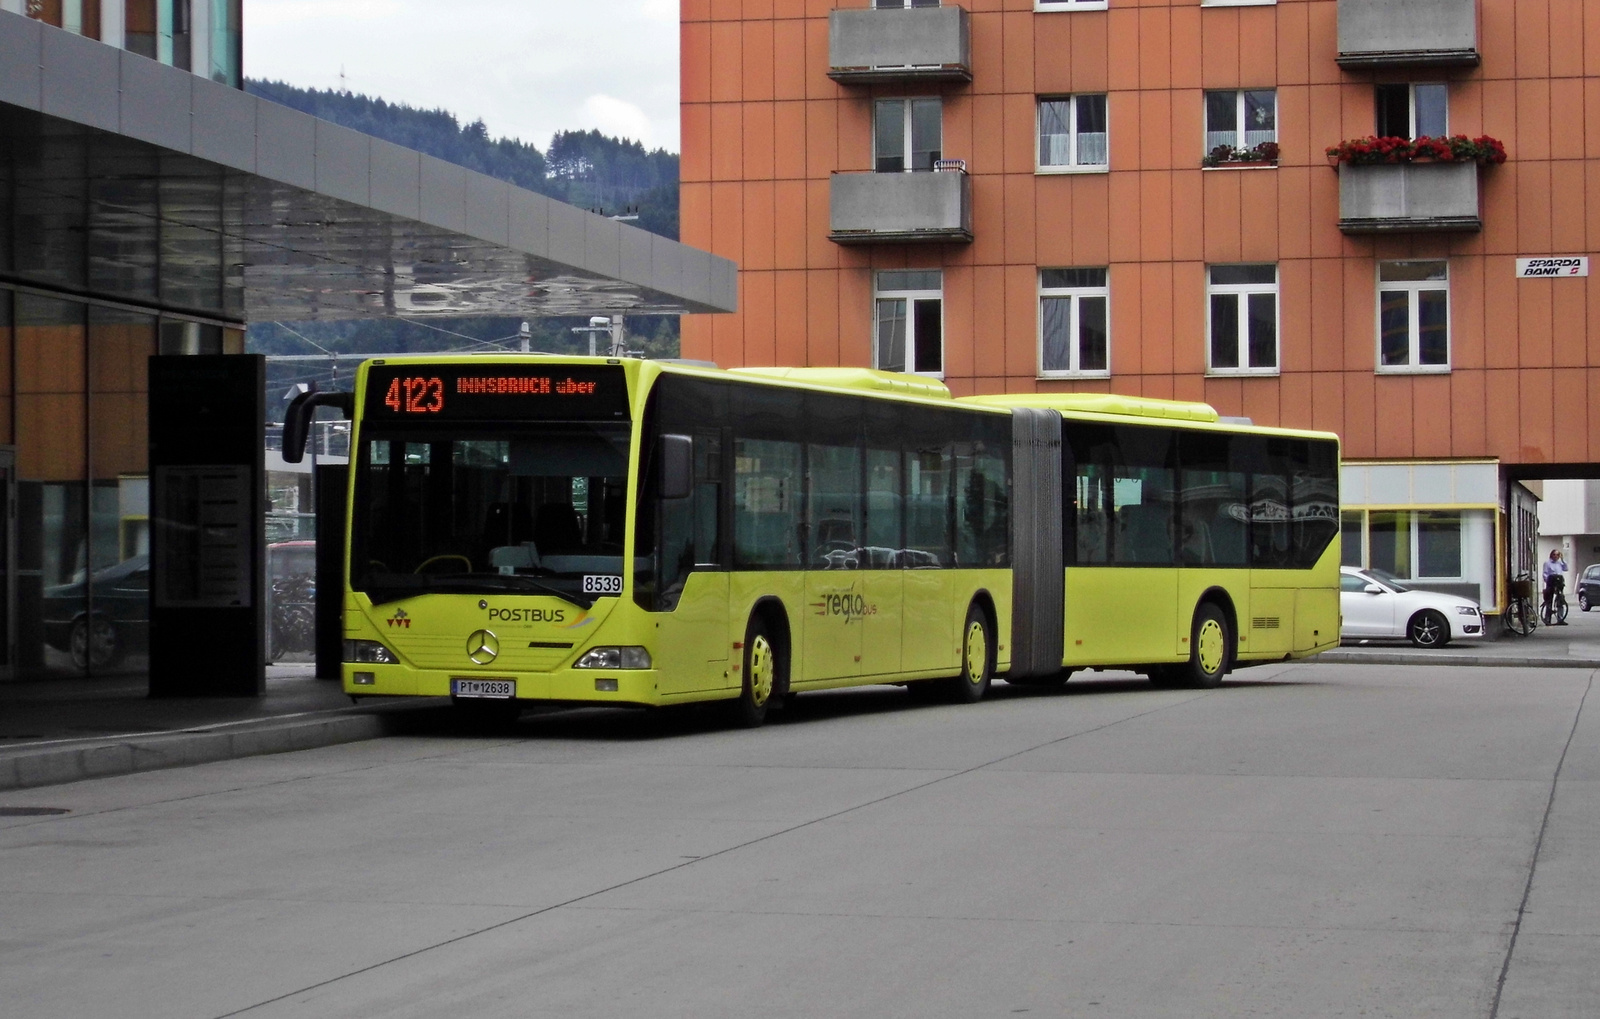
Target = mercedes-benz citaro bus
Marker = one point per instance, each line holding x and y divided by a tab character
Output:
629	532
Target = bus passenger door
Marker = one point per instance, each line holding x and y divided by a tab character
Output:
692	637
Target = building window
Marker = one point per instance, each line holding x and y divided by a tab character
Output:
1237	3
1069	5
907	134
1244	319
1072	133
1074	335
910	326
1413	111
1413	316
899	4
1242	119
1409	544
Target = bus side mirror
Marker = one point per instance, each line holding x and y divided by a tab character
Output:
297	419
677	466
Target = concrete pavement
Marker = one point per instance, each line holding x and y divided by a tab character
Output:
1309	840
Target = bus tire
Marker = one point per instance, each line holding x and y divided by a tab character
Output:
762	676
977	659
1210	648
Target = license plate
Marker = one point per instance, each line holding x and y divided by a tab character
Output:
501	689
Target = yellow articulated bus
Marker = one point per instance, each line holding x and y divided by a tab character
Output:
617	531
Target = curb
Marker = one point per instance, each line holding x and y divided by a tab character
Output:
1446	658
28	767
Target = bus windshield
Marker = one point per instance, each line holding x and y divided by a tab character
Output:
486	508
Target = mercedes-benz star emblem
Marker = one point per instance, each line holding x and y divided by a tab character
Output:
483	647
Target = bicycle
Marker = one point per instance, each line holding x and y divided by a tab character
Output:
1520	617
1554	611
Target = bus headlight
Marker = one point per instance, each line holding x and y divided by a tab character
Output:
614	658
368	652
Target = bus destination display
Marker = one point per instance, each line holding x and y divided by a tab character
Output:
495	392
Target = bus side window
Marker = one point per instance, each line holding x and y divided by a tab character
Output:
884	539
929	495
833	494
983	510
1142	496
1214	502
766	503
1314	489
1271	508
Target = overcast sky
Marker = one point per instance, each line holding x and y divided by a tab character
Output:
528	68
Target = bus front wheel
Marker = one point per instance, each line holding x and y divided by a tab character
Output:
1210	648
763	675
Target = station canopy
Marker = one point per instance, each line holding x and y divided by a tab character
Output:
125	179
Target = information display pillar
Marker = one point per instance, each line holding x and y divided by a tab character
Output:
208	525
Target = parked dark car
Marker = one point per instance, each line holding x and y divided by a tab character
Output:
1589	588
117	624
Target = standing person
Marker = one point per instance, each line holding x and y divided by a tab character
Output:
1555	569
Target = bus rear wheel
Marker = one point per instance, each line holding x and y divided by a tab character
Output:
977	659
1210	648
763	675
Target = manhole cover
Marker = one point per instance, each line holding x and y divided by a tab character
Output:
32	811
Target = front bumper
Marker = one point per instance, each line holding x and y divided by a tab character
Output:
633	686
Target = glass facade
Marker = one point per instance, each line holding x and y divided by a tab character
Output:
74	565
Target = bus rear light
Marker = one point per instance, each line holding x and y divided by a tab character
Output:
368	652
614	658
606	685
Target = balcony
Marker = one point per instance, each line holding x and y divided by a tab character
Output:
1440	197
1408	33
900	208
899	44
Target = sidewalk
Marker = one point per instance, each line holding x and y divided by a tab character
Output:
1574	646
63	730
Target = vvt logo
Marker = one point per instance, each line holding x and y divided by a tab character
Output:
400	619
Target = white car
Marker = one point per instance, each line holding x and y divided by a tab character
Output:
1377	605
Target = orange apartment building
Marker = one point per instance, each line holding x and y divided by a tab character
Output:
1137	196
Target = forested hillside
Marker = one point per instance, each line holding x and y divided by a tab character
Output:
584	168
611	176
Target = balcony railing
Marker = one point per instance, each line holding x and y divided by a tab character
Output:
1395	33
1385	198
885	44
900	208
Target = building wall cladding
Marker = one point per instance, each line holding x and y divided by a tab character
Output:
763	128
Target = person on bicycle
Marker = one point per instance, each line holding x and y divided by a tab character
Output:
1555	569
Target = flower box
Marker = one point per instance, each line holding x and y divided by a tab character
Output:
1373	150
